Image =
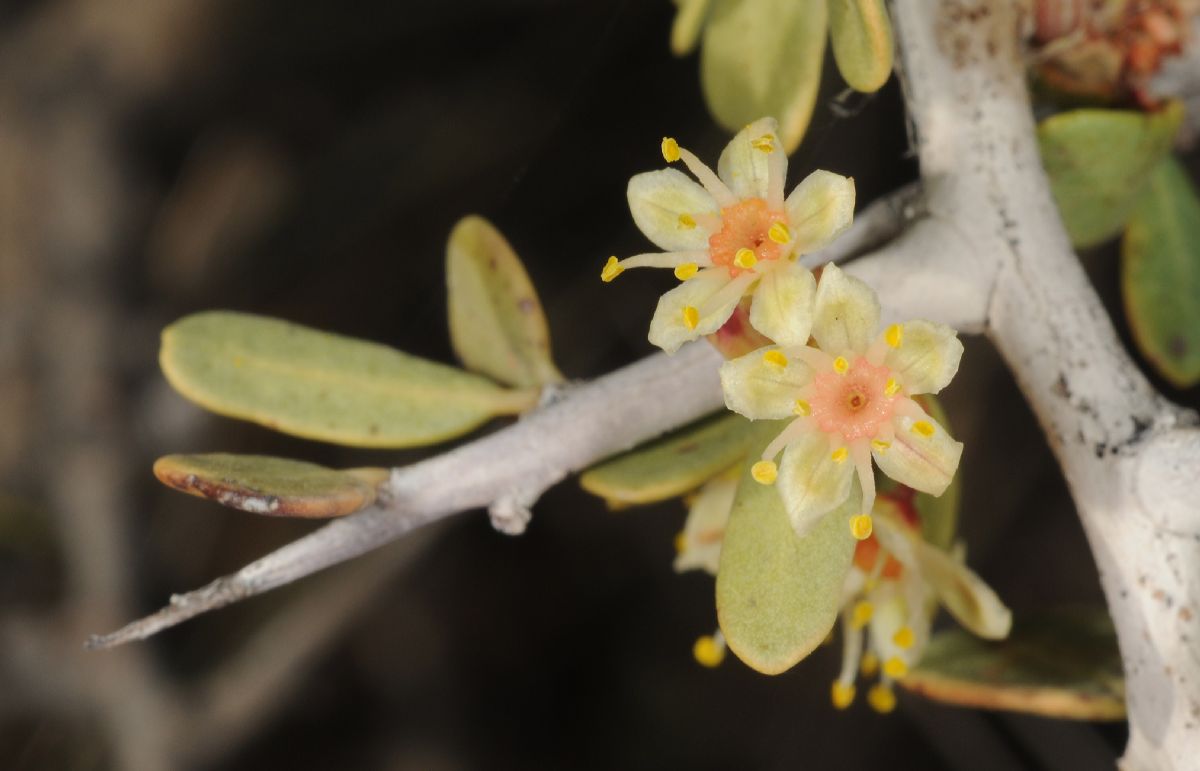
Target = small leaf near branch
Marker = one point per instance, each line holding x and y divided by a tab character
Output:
1160	275
861	35
497	325
689	20
1099	162
763	57
676	464
323	386
274	486
1063	665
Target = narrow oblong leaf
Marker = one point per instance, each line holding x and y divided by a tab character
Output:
861	34
497	325
323	386
763	57
1160	275
1099	162
778	594
939	514
1063	665
689	20
673	465
274	486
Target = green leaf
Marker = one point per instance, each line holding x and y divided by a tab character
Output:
497	325
778	594
1160	275
275	486
673	465
763	57
689	20
1099	162
1063	665
861	35
323	386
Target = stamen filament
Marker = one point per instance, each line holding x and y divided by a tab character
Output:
706	177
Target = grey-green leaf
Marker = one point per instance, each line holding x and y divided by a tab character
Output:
1160	275
689	20
763	57
274	486
861	34
323	386
673	465
1063	665
1099	162
778	594
497	325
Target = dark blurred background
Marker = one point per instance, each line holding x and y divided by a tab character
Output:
307	160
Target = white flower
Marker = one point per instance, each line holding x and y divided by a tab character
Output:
734	233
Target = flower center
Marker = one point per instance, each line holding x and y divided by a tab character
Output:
853	405
746	225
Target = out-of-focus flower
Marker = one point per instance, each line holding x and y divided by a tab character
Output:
734	233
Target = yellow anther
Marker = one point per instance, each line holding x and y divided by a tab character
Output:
904	637
745	258
894	335
691	316
923	427
840	365
802	408
861	526
869	664
686	221
612	269
891	387
882	699
775	357
861	614
878	445
766	143
708	652
670	149
764	472
839	455
686	270
842	694
779	233
895	667
680	542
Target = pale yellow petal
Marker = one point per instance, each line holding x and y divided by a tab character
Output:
820	209
922	455
658	200
971	601
761	387
707	517
783	304
670	327
811	482
743	166
926	359
846	313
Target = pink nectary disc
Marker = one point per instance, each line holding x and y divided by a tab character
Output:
854	405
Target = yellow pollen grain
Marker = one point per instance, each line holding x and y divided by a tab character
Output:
686	221
802	408
840	365
765	143
861	614
680	542
841	694
764	472
779	233
745	258
686	270
878	445
707	652
923	427
882	699
670	149
861	526
904	637
776	358
839	455
869	664
612	269
895	667
891	387
691	316
894	335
